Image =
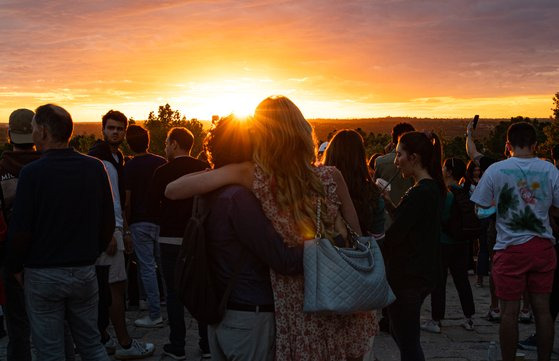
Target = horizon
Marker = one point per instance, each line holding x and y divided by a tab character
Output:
356	59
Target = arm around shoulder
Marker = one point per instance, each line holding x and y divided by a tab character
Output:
190	185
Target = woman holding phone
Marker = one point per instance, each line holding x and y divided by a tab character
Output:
412	248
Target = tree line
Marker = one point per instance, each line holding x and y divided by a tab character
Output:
491	145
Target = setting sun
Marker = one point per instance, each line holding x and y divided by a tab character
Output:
222	97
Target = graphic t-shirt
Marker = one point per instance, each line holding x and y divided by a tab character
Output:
523	190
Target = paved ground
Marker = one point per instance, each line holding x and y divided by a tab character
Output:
453	344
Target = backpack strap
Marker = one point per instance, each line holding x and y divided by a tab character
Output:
4	209
232	281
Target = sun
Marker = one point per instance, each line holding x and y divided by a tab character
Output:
228	96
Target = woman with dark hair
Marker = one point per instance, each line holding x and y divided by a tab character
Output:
347	153
454	256
412	244
471	177
469	183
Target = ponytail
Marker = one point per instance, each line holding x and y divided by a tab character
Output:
428	146
435	169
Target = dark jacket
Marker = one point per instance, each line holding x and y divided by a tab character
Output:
102	150
11	164
63	214
171	215
237	227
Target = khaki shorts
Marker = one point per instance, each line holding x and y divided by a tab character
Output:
117	270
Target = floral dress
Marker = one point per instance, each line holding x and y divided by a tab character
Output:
309	336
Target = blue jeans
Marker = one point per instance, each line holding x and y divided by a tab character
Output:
146	247
55	294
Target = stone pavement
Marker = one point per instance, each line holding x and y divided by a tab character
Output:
452	344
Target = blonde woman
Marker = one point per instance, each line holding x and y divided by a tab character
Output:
288	186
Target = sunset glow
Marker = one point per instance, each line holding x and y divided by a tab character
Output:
334	59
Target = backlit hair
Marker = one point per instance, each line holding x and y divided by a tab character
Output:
284	147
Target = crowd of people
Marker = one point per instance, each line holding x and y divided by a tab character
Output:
74	221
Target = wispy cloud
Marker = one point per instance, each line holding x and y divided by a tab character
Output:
377	51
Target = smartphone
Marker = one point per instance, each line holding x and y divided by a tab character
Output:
476	118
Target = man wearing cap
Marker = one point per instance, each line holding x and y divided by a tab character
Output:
11	163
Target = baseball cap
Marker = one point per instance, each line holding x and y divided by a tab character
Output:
322	147
20	126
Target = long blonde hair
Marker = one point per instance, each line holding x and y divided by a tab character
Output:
284	147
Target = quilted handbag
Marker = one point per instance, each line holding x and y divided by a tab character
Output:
344	280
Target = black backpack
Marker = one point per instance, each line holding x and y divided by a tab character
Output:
194	282
463	224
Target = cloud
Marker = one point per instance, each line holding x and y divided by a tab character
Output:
372	50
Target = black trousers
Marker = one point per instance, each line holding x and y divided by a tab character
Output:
175	309
19	345
454	257
404	315
104	298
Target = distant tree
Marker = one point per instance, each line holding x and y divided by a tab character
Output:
552	131
82	142
375	143
494	144
555	108
167	118
455	148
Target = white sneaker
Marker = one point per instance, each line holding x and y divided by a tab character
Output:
468	324
137	350
147	322
431	326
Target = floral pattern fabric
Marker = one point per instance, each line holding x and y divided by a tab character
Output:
310	336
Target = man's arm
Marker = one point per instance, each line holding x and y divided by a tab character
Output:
257	233
155	194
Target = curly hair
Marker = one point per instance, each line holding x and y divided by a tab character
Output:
228	141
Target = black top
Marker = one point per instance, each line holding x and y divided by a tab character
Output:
63	214
171	215
237	222
412	241
138	172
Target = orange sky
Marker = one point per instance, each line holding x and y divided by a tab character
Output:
335	59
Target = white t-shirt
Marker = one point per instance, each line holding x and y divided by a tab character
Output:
523	190
113	180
